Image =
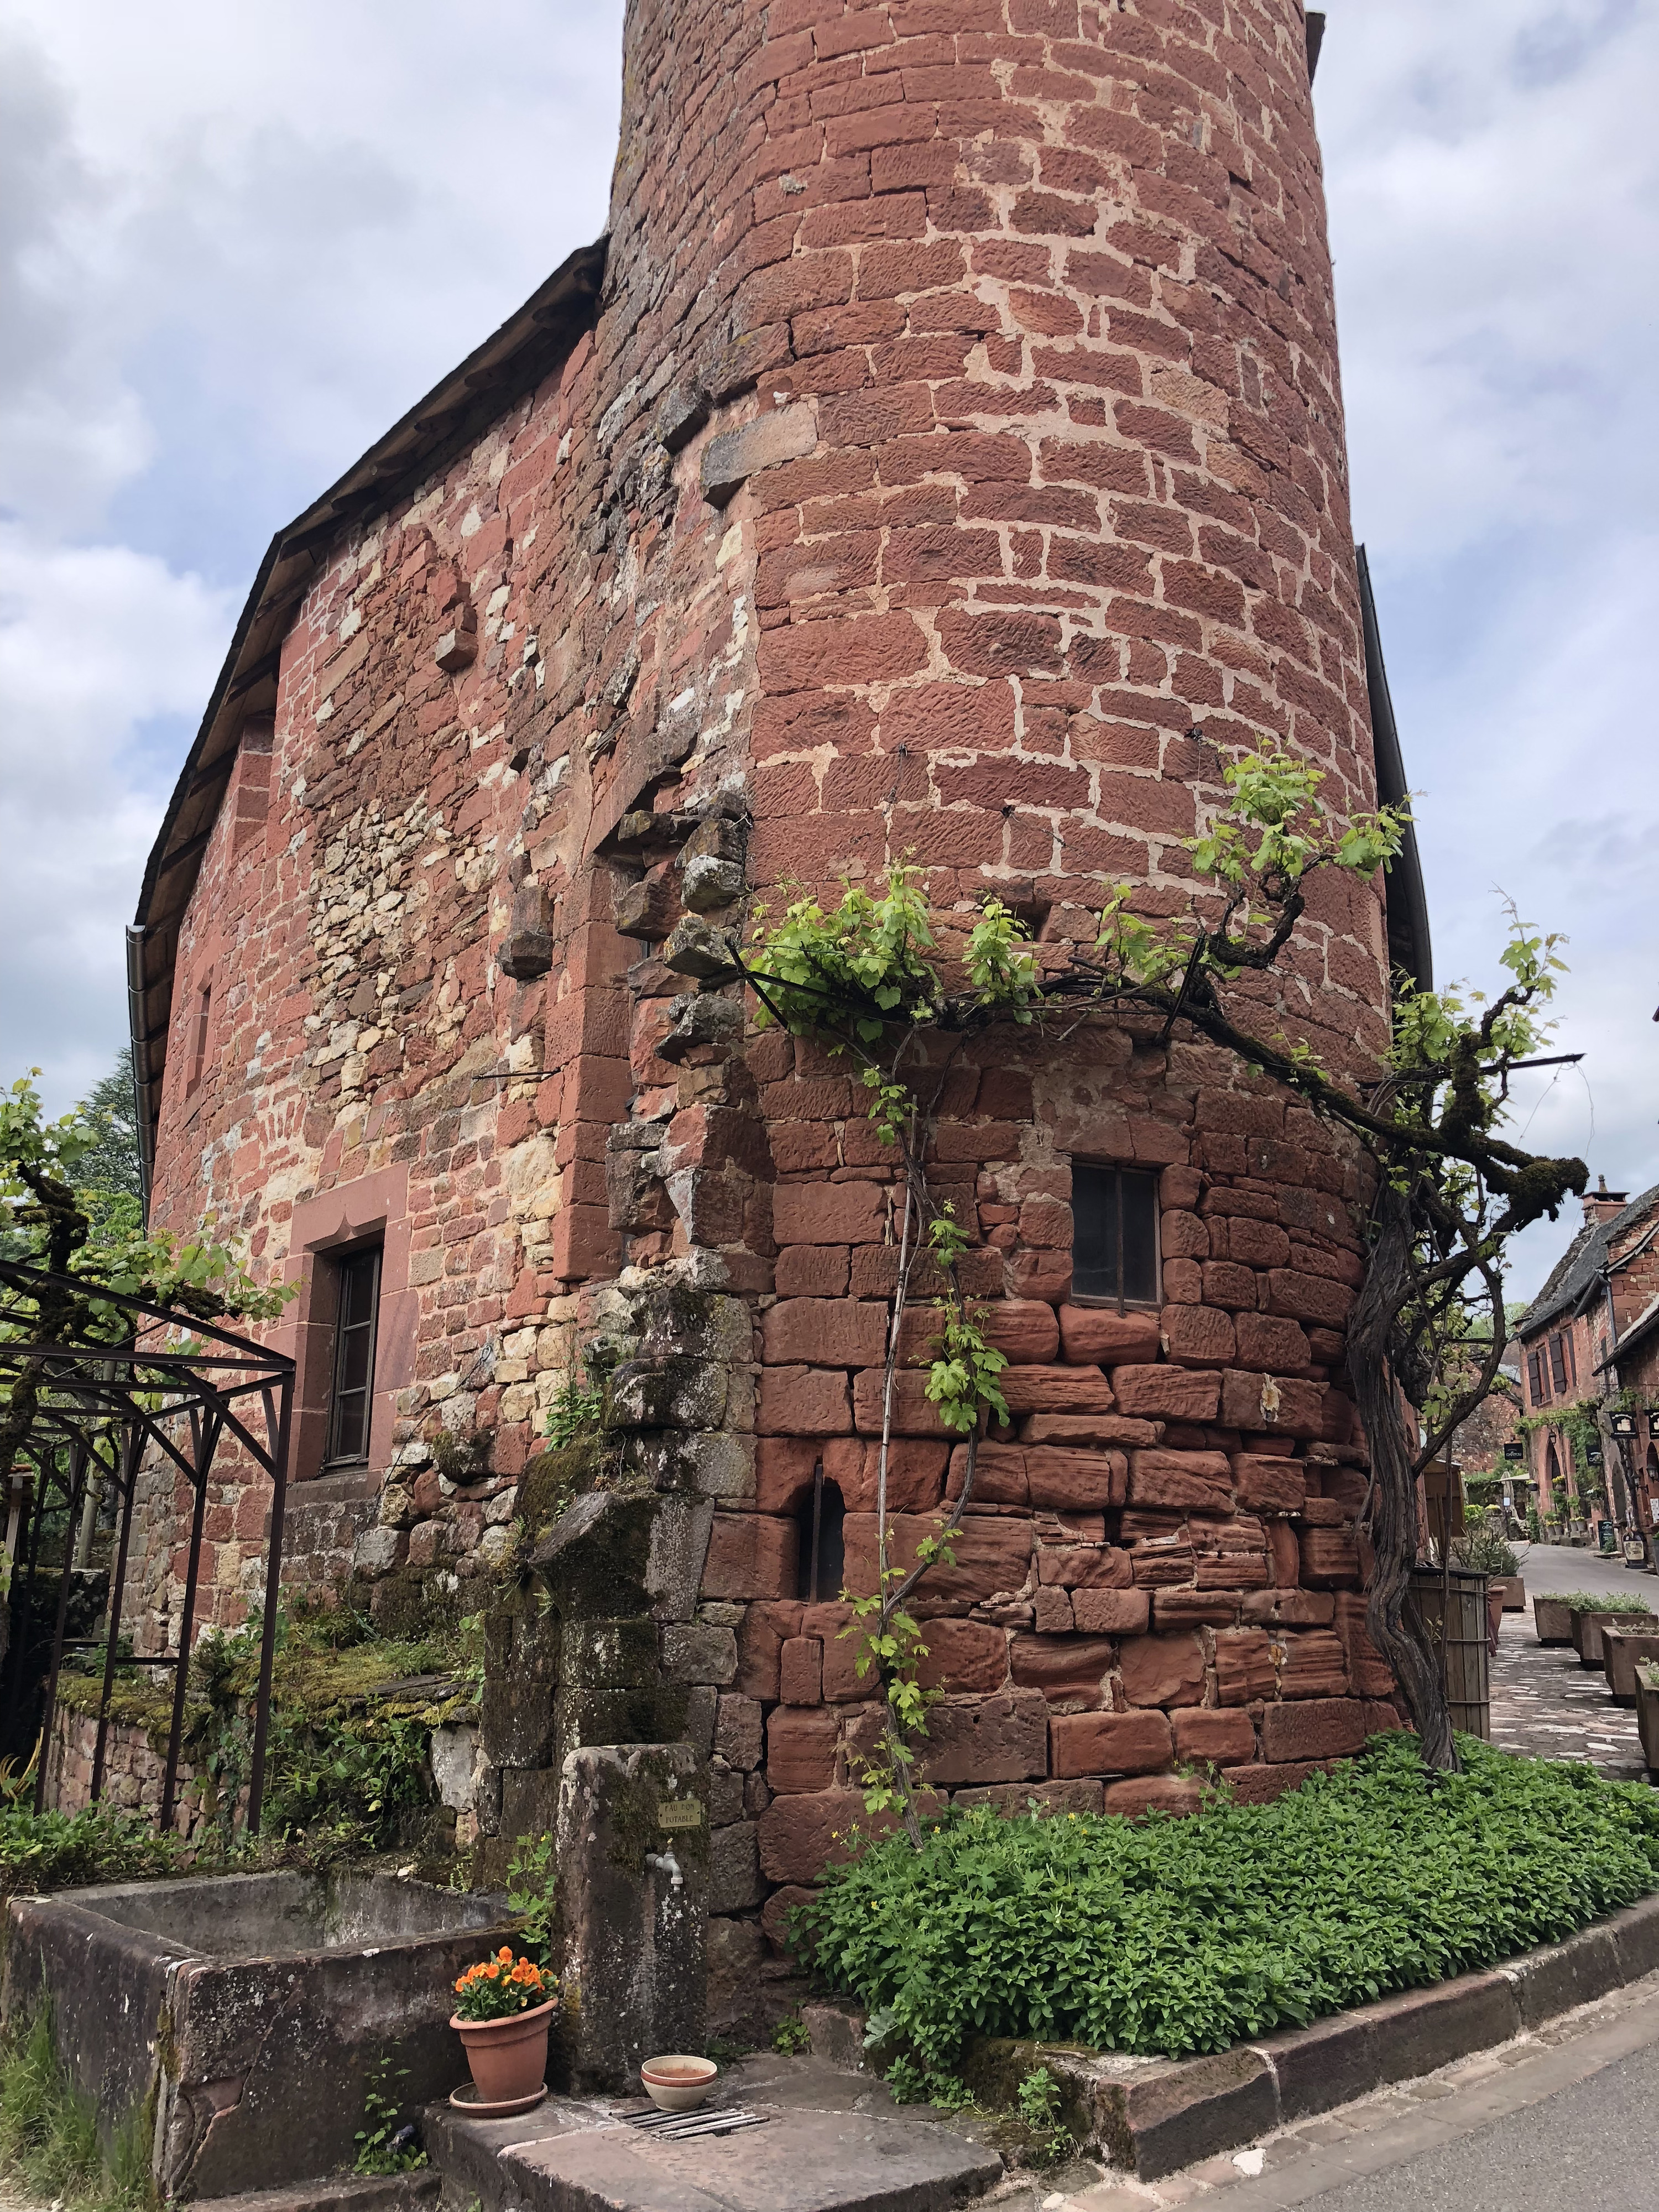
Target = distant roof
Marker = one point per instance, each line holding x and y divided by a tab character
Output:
1644	1326
1580	1267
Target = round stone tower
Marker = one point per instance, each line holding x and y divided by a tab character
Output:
982	355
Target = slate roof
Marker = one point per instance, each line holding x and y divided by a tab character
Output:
1579	1268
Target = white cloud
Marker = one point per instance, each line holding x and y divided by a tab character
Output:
95	642
236	244
1493	183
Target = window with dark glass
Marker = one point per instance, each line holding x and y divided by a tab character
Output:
358	1283
1114	1234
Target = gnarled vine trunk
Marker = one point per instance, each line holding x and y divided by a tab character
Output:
1392	1509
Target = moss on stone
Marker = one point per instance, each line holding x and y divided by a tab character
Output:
554	1477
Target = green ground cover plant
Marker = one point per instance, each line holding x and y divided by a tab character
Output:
1602	1601
42	1852
49	2148
1171	1936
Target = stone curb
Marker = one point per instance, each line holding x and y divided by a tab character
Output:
1154	2117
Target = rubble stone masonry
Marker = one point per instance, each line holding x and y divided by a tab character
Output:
954	468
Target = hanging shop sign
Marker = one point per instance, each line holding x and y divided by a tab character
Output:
1622	1425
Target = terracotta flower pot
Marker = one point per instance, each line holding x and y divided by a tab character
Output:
508	2057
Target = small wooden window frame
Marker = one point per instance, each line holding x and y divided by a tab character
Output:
1120	1303
352	1256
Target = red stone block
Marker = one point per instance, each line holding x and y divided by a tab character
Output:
1075	1481
1004	1738
1198	1335
1178	1480
803	1401
800	1749
751	1555
1217	1739
1172	1393
811	1271
1312	1664
800	1835
1101	1611
1265	1341
1055	1390
1260	1784
993	1557
1308	1297
1330	1558
760	1638
914	1413
964	1656
916	1473
1256	1402
1084	1566
1073	1429
1322	1728
999	1476
800	1671
1052	1607
830	1213
1244	1669
1368	1670
1109	1743
1162	1670
1272	1486
775	1914
1024	1330
827	1332
1067	1669
1175	1794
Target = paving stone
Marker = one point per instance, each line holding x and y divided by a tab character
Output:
1545	1705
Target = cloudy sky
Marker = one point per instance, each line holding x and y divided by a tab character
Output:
238	242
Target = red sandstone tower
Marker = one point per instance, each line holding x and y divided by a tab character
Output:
944	457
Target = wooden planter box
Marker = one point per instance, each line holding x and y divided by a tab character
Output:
1552	1620
1514	1592
1588	1621
1647	1720
1623	1650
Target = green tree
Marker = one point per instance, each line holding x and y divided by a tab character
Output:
868	979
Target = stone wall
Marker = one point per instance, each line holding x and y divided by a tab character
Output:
955	468
135	1769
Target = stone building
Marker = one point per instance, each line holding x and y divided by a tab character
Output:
1584	1340
942	454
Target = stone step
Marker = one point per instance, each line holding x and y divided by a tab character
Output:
833	2143
337	2192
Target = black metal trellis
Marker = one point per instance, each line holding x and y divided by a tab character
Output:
109	1405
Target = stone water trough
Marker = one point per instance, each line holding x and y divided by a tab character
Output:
237	2020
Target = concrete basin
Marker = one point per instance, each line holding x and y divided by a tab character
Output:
236	2021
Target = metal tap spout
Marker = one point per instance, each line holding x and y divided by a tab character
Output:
665	1863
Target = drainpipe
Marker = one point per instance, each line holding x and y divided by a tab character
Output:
143	1100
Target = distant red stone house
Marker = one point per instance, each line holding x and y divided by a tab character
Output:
943	452
1482	1444
1589	1335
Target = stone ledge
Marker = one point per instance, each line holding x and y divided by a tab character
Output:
1154	2116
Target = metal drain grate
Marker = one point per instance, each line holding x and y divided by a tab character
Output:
681	2127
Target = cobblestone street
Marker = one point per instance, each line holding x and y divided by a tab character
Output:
1543	1702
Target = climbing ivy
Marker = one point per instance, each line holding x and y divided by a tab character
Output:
869	979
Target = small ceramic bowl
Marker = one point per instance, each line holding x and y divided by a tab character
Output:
675	2083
